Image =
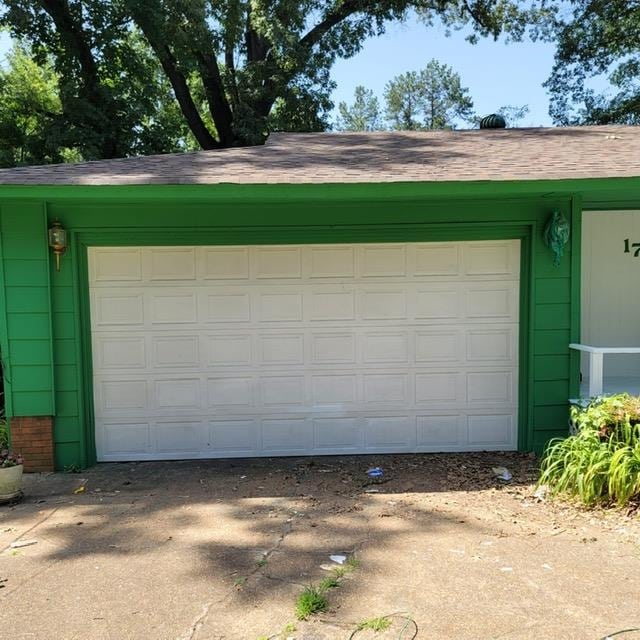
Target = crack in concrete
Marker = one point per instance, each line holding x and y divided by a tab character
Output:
199	622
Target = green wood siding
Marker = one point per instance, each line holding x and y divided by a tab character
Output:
25	312
280	214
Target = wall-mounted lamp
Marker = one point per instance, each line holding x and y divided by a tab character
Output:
57	241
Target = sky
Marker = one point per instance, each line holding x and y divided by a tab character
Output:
495	73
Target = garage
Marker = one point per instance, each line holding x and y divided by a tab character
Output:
227	351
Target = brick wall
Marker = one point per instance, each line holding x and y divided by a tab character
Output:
33	437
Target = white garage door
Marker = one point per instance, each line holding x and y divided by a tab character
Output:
314	349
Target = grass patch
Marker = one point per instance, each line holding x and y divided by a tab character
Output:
312	600
330	582
601	463
289	628
352	563
262	562
375	624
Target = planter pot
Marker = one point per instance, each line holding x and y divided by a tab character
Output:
10	483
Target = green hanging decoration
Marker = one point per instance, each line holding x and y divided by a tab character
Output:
556	235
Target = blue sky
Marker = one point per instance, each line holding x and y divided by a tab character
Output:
495	73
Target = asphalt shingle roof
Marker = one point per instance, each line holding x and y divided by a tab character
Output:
316	158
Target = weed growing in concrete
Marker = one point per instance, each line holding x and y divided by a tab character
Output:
375	624
312	600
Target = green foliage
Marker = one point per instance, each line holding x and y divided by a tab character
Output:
162	75
312	600
433	98
513	114
4	435
596	40
363	115
601	463
375	624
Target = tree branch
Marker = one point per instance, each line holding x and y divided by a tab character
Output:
315	34
77	44
183	96
216	98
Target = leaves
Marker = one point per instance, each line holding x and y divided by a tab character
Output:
602	462
433	98
596	42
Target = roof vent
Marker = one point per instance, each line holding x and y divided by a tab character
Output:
493	121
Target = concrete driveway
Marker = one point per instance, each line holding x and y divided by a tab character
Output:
221	549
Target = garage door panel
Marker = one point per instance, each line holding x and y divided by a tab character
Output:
280	306
335	390
490	430
225	263
229	350
278	262
438	302
491	259
113	309
487	301
437	259
332	262
333	348
383	303
286	350
119	352
440	387
116	265
490	386
231	391
390	433
172	263
169	352
234	437
382	261
385	347
331	303
339	433
181	436
437	346
440	432
287	435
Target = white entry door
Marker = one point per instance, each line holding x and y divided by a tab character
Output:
208	352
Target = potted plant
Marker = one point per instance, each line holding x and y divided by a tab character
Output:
11	465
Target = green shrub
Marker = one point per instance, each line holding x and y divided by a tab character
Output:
4	434
601	463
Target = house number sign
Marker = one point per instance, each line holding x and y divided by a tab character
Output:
632	247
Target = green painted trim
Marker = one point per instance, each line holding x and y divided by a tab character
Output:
526	339
523	231
593	189
4	337
51	266
576	294
84	382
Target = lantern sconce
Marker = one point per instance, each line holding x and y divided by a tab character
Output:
556	235
57	241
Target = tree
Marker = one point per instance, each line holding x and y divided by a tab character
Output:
513	114
363	115
236	68
29	107
597	40
433	98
